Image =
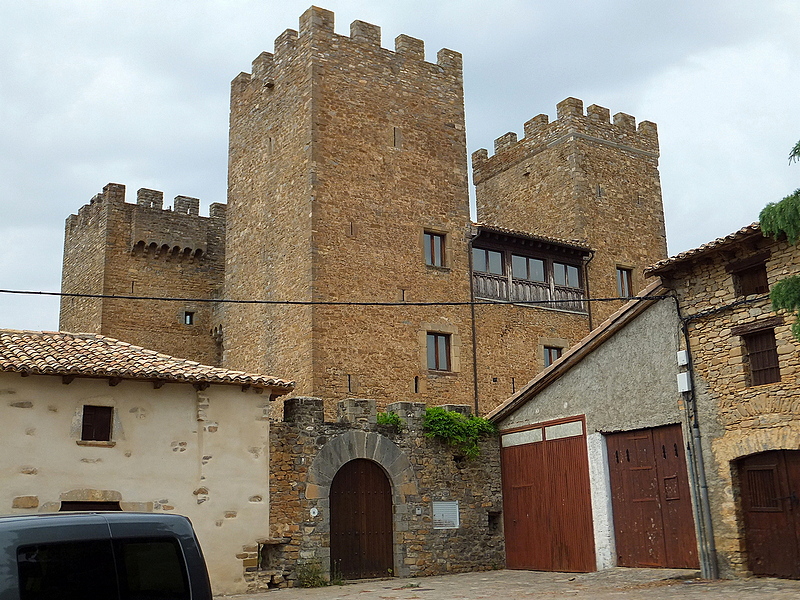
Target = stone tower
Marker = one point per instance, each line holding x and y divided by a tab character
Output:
348	161
581	177
115	248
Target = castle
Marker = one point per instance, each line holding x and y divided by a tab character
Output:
346	249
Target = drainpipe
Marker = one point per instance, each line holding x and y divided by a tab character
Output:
586	285
473	327
708	550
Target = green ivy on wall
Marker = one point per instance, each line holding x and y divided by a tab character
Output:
457	430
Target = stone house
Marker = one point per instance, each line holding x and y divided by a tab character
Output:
593	451
347	232
91	423
744	366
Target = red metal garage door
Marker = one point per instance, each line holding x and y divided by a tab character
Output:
546	499
770	484
653	518
361	521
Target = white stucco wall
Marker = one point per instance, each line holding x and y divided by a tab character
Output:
200	454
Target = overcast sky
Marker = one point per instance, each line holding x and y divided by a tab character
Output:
136	92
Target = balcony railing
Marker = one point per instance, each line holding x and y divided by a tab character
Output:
496	287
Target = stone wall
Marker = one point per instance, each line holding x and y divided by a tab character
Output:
343	153
737	419
585	177
306	453
116	248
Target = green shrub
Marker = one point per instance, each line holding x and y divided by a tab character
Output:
782	217
457	430
311	575
785	295
392	419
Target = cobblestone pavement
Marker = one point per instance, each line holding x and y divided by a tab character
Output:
611	584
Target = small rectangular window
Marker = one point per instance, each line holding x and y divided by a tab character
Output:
445	515
439	351
487	261
566	275
96	423
551	355
752	280
525	267
188	318
624	282
762	357
434	249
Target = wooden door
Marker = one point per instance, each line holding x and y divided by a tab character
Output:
770	483
546	498
361	521
653	515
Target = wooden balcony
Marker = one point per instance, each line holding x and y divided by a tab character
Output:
496	287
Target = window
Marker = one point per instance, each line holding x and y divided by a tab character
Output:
551	355
566	275
439	351
762	357
525	267
124	568
752	280
188	318
434	249
487	261
624	285
96	423
445	515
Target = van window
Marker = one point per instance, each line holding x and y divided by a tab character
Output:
68	571
148	568
151	568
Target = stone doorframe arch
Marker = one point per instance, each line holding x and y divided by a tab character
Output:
383	451
727	450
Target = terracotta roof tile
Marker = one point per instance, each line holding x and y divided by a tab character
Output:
533	236
737	236
94	355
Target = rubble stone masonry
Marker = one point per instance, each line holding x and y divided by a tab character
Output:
737	418
307	451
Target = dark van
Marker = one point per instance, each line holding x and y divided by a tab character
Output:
101	556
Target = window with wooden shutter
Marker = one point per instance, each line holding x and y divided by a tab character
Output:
762	357
96	423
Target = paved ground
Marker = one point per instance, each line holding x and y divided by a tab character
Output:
611	584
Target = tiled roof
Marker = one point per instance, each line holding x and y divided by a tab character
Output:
737	236
94	355
533	236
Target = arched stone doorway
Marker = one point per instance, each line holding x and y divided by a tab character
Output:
361	521
770	486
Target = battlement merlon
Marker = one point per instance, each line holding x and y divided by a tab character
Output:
540	133
320	22
151	201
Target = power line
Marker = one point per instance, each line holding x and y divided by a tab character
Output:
324	302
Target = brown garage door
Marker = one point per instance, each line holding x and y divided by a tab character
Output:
546	499
653	518
770	484
361	521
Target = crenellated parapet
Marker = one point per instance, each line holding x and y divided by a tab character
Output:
595	125
316	29
176	233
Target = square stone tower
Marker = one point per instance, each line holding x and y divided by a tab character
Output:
581	177
348	184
